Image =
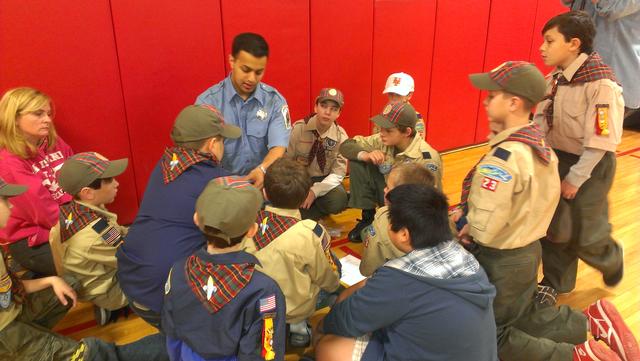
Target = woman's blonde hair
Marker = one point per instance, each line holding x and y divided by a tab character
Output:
17	102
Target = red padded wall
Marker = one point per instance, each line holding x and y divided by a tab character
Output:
403	41
341	57
545	11
168	55
285	26
461	32
67	49
509	38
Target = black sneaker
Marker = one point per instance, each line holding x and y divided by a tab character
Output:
367	219
615	278
102	315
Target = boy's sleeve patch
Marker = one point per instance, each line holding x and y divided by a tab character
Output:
432	167
318	230
602	119
112	237
100	225
502	153
268	304
495	172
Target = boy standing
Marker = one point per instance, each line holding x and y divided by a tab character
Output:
434	303
163	231
373	157
88	233
295	253
510	197
217	304
399	89
314	143
582	120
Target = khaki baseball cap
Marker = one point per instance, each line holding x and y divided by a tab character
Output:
229	204
399	83
331	94
82	169
398	114
198	122
516	77
10	190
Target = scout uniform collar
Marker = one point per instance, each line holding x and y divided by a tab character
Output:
413	150
530	134
75	216
273	222
176	160
586	68
331	133
294	213
230	92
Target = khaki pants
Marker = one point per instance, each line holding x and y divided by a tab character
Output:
525	330
367	185
590	239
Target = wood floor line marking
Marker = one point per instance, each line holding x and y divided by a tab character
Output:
632	150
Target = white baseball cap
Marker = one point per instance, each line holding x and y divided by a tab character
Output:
399	83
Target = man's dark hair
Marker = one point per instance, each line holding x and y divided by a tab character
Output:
252	43
287	183
210	234
423	211
574	24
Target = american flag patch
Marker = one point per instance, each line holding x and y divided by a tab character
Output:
112	237
268	304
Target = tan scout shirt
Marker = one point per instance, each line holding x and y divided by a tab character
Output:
574	113
297	262
7	315
418	151
378	248
511	202
93	262
300	143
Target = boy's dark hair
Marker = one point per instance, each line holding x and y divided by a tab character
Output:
574	24
412	173
526	103
403	129
210	233
252	43
95	185
423	211
287	183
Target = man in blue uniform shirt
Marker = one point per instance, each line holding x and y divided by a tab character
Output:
257	108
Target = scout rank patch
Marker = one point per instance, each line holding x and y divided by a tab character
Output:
267	309
326	245
271	227
74	217
215	285
5	291
493	175
286	117
602	119
176	160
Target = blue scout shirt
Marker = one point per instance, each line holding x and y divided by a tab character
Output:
263	118
162	233
237	330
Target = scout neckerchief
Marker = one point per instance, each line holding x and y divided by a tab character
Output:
74	217
531	135
591	70
270	227
216	284
176	160
317	149
11	288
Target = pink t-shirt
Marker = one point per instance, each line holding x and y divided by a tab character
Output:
35	211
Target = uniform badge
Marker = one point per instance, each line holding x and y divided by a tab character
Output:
387	109
267	338
385	168
432	167
333	92
174	161
489	184
263	225
209	288
5	291
69	221
286	117
602	119
268	304
329	143
495	172
261	114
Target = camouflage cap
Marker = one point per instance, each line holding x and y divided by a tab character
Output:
199	122
10	190
398	114
82	169
516	77
331	94
230	205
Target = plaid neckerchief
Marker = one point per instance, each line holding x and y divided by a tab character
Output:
317	149
216	284
531	135
176	160
591	70
74	217
270	227
447	260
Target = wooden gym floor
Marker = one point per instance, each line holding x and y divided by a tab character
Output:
624	200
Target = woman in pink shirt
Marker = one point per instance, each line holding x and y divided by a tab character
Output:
31	153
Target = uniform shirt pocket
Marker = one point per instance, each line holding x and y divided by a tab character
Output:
573	113
256	132
480	215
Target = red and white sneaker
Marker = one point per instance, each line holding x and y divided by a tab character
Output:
593	350
606	324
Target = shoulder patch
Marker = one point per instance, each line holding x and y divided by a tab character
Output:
432	167
100	225
419	115
286	117
318	230
426	155
502	153
495	172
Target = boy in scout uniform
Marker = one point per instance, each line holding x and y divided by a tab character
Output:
295	253
87	234
509	198
399	89
30	308
378	248
217	304
582	119
373	157
314	143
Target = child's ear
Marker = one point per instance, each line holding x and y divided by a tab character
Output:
252	231
575	44
195	219
86	193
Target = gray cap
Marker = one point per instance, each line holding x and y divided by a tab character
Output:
516	77
199	122
82	169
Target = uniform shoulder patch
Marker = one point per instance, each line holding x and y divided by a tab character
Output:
495	172
286	116
318	230
502	153
100	225
426	155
